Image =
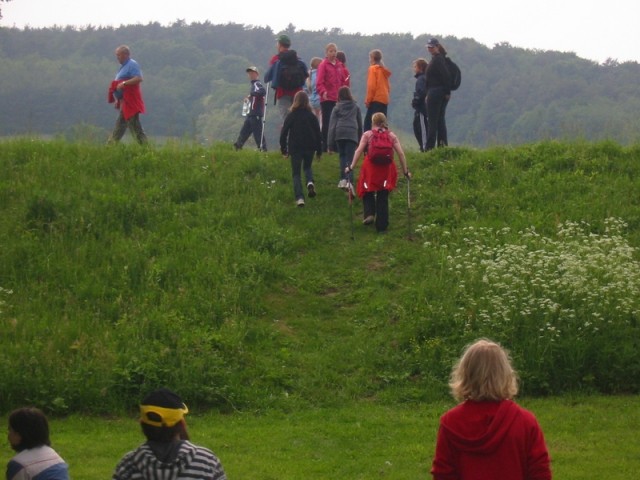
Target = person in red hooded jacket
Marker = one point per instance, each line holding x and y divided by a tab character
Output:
488	436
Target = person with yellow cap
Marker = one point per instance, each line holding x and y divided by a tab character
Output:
167	453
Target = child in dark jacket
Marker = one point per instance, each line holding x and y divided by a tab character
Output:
345	130
253	121
300	139
418	103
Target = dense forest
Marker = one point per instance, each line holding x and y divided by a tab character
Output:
54	82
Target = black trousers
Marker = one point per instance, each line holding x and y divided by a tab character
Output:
252	126
377	203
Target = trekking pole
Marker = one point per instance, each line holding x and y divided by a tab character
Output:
264	116
409	207
350	188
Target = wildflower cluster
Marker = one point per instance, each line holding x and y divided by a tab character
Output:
578	283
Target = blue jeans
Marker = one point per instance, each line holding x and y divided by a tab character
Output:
301	161
346	149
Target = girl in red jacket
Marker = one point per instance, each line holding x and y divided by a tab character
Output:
488	435
330	79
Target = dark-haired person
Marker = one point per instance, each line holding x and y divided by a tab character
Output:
418	103
300	140
125	92
167	453
438	93
488	435
345	130
35	460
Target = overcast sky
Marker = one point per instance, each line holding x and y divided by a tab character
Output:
593	30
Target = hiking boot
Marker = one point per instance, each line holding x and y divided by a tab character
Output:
342	184
368	220
237	147
311	188
300	202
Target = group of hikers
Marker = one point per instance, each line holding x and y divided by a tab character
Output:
319	114
486	436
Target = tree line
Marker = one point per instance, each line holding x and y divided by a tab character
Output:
54	82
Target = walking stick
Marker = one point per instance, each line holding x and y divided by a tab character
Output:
350	188
409	207
264	116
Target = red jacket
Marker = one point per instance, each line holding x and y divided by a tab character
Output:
331	77
490	440
131	101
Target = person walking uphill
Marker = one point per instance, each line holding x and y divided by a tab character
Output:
378	87
330	79
125	92
345	130
488	436
378	175
300	139
438	82
253	121
167	453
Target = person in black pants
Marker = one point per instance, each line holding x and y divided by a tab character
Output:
418	103
253	121
438	83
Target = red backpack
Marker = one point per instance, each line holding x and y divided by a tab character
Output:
380	148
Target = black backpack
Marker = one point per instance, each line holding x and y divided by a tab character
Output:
291	72
454	73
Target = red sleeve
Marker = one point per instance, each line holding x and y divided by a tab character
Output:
444	462
538	462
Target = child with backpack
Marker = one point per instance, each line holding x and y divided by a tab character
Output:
378	175
345	130
300	139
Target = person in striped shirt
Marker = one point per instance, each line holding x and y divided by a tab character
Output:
167	454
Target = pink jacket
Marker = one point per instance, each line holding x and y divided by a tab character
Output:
329	80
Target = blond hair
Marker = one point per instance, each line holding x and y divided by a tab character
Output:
484	373
379	119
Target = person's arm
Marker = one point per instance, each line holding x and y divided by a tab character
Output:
403	160
356	155
320	87
129	82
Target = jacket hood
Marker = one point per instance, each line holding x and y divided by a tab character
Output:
385	71
344	108
482	426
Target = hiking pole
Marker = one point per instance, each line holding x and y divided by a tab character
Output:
408	206
350	189
264	117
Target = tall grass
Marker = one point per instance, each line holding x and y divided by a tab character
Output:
135	267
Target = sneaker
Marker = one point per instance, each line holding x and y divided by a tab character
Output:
311	188
300	202
368	220
237	147
342	184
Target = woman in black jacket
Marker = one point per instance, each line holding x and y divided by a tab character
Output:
438	94
300	139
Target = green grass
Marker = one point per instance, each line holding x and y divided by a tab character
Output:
588	437
317	355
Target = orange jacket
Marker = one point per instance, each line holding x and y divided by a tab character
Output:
378	87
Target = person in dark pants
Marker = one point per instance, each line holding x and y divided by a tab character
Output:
377	180
438	83
126	93
300	139
378	88
253	122
418	103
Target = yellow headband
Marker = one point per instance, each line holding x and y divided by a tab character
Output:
170	416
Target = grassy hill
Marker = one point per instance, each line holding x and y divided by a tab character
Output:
124	268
